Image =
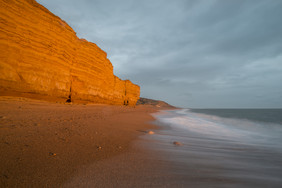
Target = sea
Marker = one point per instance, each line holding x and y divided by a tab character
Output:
221	147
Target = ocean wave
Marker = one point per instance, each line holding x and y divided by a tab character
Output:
230	129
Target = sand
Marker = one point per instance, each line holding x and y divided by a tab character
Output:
47	144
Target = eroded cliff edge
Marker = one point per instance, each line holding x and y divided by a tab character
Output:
41	54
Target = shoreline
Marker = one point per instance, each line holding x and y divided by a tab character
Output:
48	144
218	152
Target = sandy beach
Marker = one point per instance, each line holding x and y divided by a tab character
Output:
45	144
48	144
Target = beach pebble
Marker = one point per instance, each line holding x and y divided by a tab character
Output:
177	143
52	154
151	132
99	147
36	124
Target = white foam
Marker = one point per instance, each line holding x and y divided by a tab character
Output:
217	127
200	126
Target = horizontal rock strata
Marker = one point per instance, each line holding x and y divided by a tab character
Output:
41	54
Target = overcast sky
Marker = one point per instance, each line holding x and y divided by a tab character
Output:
190	53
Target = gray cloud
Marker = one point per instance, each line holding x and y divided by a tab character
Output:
191	53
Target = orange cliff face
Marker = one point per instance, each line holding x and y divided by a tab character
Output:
41	54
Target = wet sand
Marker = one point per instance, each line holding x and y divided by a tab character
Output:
216	156
45	144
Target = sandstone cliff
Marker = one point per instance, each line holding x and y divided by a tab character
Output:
41	54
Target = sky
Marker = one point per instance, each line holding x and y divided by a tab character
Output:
189	53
